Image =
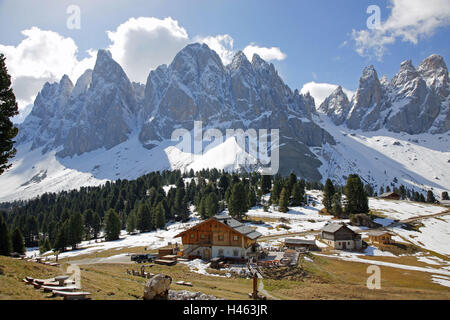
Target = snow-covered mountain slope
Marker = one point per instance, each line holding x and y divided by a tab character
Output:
419	161
105	127
34	173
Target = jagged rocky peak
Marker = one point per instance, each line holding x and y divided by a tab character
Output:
197	56
336	106
435	73
83	83
405	75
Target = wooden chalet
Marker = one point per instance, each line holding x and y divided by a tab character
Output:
220	236
380	236
301	243
339	236
390	196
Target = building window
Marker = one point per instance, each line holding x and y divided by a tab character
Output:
220	237
235	238
220	252
202	236
192	236
235	252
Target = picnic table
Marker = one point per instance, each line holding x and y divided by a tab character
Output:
61	280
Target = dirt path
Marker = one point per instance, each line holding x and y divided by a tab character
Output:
264	291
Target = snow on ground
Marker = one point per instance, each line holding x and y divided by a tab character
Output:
442	280
418	161
355	258
403	209
434	235
151	240
199	266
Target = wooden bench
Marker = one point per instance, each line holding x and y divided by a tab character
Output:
165	262
78	295
55	288
184	283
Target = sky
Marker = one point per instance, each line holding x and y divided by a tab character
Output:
314	45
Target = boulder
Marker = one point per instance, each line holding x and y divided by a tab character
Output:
157	287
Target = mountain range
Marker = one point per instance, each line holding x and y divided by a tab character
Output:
106	127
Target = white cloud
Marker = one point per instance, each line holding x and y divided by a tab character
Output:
142	44
410	20
320	91
222	44
42	56
139	45
268	54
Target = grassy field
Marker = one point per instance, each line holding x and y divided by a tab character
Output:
324	278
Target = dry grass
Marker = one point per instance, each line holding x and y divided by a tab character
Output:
11	275
336	279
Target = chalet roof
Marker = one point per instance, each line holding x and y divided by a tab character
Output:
377	232
233	224
238	226
299	241
387	194
333	227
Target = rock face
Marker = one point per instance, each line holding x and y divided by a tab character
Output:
414	101
104	107
157	288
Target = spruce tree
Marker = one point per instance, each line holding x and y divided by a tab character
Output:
298	195
430	197
8	109
266	184
5	240
284	200
131	222
145	221
337	206
76	227
96	225
112	225
18	243
211	205
328	193
276	190
160	216
237	205
357	201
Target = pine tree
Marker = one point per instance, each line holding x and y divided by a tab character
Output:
357	201
252	200
144	218
76	227
298	195
112	225
337	206
131	222
8	109
275	192
211	205
328	193
5	240
266	183
160	216
430	197
445	195
237	205
61	238
96	225
18	243
284	201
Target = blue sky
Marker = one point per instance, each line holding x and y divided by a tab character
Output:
317	40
